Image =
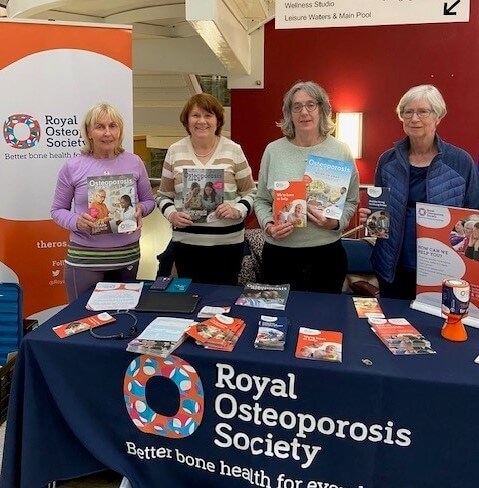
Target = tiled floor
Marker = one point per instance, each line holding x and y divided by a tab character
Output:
156	234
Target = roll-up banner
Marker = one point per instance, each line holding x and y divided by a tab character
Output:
50	74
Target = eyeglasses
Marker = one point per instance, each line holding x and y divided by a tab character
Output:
310	106
422	113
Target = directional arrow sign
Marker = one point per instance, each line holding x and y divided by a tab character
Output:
449	9
296	14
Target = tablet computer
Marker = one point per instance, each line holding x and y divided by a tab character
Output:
151	301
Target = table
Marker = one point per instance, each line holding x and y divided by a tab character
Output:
257	418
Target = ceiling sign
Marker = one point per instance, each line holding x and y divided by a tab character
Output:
296	14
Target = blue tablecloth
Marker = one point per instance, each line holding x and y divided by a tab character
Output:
268	418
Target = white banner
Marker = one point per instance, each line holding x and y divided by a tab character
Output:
50	75
296	14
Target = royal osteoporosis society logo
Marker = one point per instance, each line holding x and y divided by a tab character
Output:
16	124
190	389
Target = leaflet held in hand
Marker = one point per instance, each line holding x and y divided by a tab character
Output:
289	203
112	202
377	223
203	191
327	185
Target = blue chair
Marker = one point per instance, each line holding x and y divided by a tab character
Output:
359	264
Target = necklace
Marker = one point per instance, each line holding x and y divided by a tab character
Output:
206	154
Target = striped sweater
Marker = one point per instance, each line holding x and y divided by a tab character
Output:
239	191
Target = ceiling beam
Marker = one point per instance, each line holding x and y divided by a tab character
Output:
147	14
222	32
161	55
28	8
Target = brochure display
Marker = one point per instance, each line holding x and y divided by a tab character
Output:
219	332
447	248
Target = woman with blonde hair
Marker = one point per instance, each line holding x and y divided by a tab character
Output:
108	256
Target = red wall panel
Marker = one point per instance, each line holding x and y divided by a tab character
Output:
367	69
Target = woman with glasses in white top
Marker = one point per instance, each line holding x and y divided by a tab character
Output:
420	168
310	258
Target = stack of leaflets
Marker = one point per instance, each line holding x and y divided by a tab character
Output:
377	224
161	337
219	332
400	337
367	307
264	296
327	183
289	203
326	345
272	332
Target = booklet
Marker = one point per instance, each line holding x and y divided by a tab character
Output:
81	325
161	337
112	202
272	332
203	191
326	345
264	296
289	203
367	307
327	185
114	296
400	337
377	223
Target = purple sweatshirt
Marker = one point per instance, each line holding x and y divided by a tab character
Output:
72	187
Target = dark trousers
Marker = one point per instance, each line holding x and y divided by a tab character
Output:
79	280
209	264
320	269
403	286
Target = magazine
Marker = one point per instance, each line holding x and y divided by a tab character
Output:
327	185
81	325
161	337
219	332
203	191
325	345
377	223
112	202
367	307
400	337
289	203
264	296
272	332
